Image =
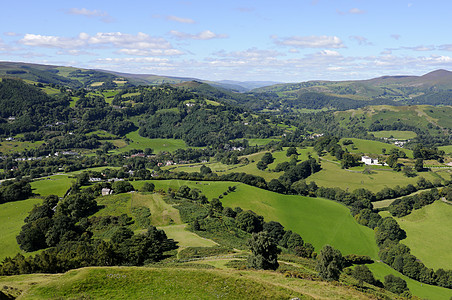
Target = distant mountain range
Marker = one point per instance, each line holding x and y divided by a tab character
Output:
432	88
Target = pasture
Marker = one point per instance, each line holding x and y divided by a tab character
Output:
428	232
398	135
332	175
52	185
372	147
12	215
141	143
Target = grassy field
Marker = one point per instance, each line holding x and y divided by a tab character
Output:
157	145
12	215
52	185
318	221
332	175
399	135
447	149
186	238
428	231
421	290
161	212
372	147
16	146
173	283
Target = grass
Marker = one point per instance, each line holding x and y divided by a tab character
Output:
447	149
176	283
332	175
186	238
428	230
318	221
7	147
399	135
157	145
12	215
52	185
421	290
372	147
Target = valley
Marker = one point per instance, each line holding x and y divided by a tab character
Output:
117	185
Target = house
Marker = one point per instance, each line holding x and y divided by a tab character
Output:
368	161
95	179
106	191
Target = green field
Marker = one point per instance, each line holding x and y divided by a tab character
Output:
12	215
447	149
422	290
52	185
318	221
332	175
16	146
157	145
372	147
186	238
399	135
428	234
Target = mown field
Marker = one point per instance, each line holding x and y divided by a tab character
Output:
318	221
12	215
428	234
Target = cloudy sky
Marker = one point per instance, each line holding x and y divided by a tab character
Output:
288	41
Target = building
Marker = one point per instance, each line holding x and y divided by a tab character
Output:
369	161
106	191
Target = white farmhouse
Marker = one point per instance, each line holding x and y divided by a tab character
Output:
368	161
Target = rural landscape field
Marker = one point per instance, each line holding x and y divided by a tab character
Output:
259	159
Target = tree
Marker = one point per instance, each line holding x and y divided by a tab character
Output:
363	274
122	187
329	263
276	186
291	151
147	187
395	284
250	222
274	230
264	252
419	165
205	170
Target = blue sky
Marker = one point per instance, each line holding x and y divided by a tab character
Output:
288	41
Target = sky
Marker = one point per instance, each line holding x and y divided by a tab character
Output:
247	40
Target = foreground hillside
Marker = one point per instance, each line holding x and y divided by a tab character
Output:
175	283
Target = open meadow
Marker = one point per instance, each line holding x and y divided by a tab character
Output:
12	215
428	234
52	185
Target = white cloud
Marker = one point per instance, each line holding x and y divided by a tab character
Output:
180	20
396	36
310	41
446	47
204	35
104	16
141	41
361	40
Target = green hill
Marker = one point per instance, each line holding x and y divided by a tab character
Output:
318	221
